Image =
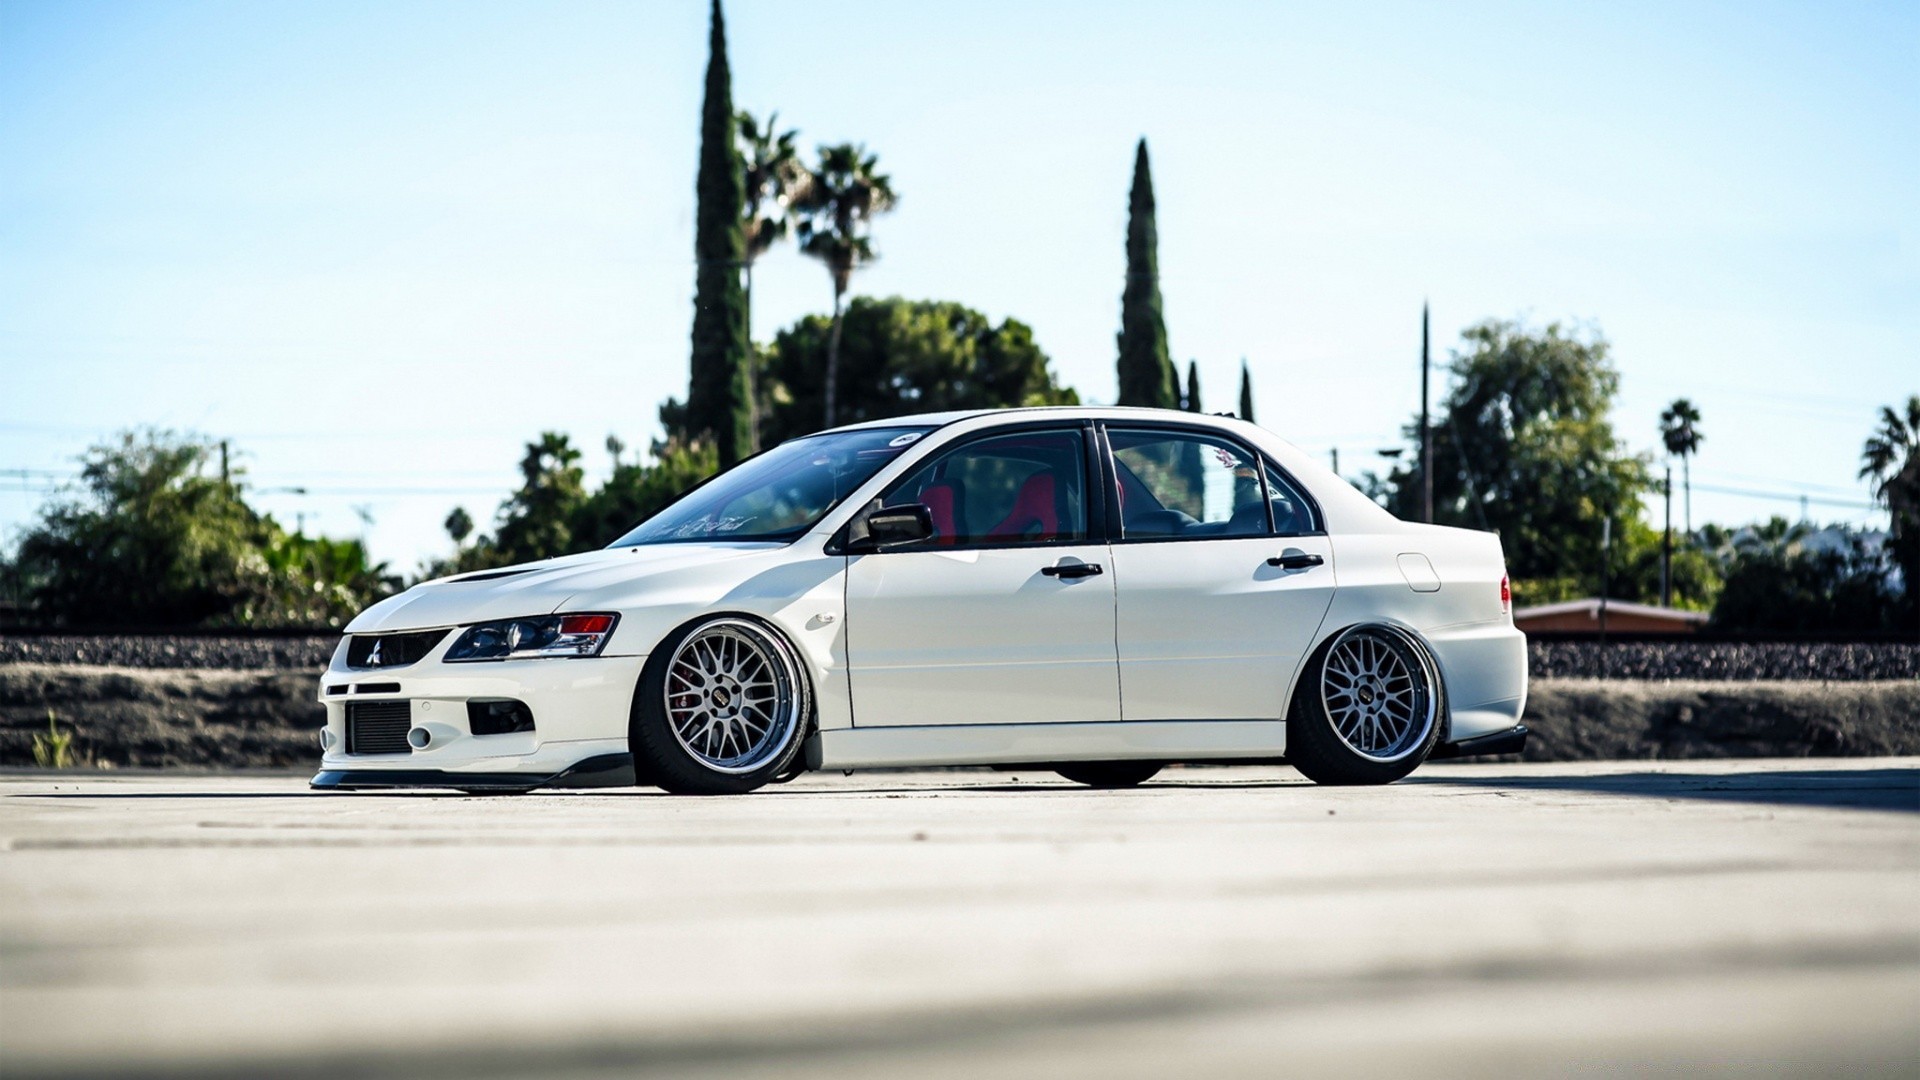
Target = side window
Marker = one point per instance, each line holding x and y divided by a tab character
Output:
1186	484
1026	488
1292	514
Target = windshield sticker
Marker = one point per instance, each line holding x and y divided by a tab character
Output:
903	440
709	526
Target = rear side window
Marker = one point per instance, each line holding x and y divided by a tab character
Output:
1186	484
1194	485
1023	488
1292	513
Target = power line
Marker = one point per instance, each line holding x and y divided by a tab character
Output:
1797	485
8	484
1784	496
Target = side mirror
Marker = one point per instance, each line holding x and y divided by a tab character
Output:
889	526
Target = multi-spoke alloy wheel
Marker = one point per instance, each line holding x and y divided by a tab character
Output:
1368	709
730	696
1376	694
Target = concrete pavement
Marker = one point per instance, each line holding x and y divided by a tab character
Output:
1473	920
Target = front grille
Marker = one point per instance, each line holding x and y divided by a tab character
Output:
379	727
391	650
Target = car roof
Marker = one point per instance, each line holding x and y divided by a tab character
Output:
942	419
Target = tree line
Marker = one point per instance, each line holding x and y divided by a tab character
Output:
1523	442
157	531
1524	445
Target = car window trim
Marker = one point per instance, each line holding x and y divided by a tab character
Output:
1117	529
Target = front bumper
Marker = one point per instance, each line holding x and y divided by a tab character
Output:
604	770
580	712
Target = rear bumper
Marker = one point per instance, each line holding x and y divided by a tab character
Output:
603	770
1485	668
1500	742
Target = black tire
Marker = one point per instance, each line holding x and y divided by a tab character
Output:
663	755
1109	774
1374	750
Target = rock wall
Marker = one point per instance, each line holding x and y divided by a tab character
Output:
1731	661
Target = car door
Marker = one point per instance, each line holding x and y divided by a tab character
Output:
1222	573
1006	615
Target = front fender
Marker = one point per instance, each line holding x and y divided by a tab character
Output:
803	596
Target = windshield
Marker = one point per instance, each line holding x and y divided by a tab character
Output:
780	494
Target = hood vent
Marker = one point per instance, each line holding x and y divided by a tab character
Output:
489	575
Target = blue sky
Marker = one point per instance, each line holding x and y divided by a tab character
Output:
380	246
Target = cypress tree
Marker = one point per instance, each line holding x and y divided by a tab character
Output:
1147	374
1246	394
718	393
1193	464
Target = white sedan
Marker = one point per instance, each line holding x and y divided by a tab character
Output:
1096	591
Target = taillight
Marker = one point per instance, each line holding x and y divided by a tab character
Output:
1506	594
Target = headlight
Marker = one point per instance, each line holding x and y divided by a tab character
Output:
550	635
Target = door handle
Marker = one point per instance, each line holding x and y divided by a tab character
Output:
1295	562
1073	570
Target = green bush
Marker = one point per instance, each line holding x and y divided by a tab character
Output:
156	534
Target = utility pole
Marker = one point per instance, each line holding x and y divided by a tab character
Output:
226	478
1666	545
1426	428
1336	461
1606	582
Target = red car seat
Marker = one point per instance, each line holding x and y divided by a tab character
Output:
1033	516
942	501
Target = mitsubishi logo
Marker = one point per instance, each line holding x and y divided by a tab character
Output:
373	658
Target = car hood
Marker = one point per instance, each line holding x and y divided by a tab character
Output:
538	588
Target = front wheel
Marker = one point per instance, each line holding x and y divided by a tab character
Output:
1367	710
721	709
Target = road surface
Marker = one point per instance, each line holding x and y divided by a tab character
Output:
1475	920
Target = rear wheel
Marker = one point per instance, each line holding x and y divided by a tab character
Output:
721	709
1109	774
1367	710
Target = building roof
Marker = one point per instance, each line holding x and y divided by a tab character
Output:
1590	606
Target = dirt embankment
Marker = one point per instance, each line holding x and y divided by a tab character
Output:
162	717
158	717
1595	720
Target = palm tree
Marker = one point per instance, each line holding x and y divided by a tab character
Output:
843	194
774	179
1891	459
1680	430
